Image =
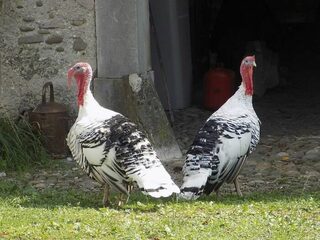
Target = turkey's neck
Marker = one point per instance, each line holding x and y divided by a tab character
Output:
245	91
242	96
240	101
88	106
247	79
237	104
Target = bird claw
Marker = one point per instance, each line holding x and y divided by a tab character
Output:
106	203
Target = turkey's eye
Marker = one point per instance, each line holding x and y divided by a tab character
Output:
78	67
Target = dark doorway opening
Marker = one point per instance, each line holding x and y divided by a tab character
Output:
284	35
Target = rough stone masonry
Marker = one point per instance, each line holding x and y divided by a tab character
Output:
39	40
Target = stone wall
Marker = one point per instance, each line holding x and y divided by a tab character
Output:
39	41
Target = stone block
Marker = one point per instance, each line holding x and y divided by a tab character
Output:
60	49
79	44
135	97
19	3
39	3
87	4
54	39
78	22
313	154
51	15
51	24
26	29
43	31
28	19
30	39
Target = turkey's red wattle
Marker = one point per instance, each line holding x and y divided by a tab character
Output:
246	73
82	87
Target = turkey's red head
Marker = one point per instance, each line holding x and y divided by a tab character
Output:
246	71
82	72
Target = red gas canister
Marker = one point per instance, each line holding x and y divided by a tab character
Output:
218	87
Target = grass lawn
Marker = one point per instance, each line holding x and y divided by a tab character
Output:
29	214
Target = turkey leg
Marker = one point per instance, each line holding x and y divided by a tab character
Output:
105	200
237	186
217	193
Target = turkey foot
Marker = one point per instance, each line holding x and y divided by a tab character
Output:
121	200
237	186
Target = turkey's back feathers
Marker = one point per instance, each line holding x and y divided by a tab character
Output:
217	154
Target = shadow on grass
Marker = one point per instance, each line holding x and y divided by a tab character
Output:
29	197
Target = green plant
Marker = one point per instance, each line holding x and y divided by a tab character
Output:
20	147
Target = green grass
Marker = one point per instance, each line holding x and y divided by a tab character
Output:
20	147
29	214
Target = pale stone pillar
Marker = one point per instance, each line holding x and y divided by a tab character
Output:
123	48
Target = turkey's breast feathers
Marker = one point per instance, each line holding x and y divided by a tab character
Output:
111	151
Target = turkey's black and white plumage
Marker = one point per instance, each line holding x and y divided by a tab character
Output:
110	148
224	142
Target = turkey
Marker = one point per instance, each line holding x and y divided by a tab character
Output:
224	142
111	149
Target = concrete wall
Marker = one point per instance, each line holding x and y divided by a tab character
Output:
39	40
123	37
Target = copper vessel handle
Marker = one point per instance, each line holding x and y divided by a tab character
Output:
44	92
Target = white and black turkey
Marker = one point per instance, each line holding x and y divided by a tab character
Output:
223	144
110	148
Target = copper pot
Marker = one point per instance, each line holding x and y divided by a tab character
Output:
51	119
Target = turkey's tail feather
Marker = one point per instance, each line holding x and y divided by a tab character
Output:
194	184
156	182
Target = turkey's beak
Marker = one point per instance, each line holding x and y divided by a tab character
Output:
70	77
254	64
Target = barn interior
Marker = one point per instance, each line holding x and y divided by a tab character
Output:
283	35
